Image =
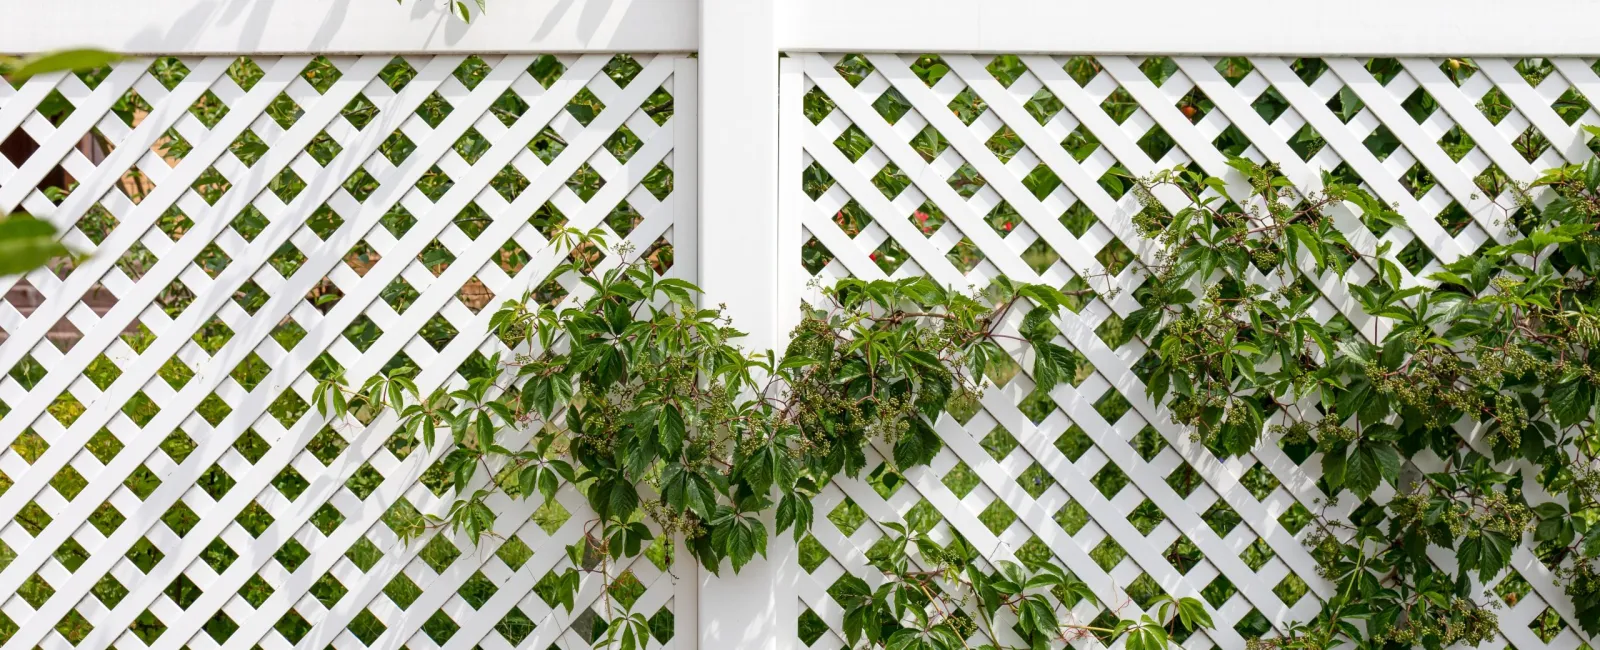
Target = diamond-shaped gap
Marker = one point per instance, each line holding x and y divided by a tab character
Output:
1003	219
366	627
546	70
928	218
74	627
659	106
547	145
516	626
477	590
97	223
1259	481
889	180
323	148
960	479
967	106
550	516
966	181
292	626
1453	218
997	517
1381	142
1456	143
1291	589
1072	517
1221	518
215	482
1035	480
173	222
1108	553
815	180
1254	625
964	255
1073	443
254	519
1004	144
291	555
471	146
180	519
212	260
1148	443
1415	256
250	297
1156	143
321	73
585	106
65	409
290	483
434	109
438	332
1531	144
109	591
848	516
328	590
1143	591
1115	256
284	111
929	143
853	143
1257	554
1119	105
434	183
514	552
892	105
248	148
623	144
1146	516
471	71
1512	588
1183	554
362	332
439	554
626	590
585	182
399	295
1419	105
930	68
814	256
1109	480
885	480
658	181
1306	142
622	69
854	68
509	184
70	554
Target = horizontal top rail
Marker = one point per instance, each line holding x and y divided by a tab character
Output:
1196	27
1204	27
348	26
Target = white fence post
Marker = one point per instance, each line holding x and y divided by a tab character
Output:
739	269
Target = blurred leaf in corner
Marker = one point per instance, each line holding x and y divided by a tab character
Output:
27	243
84	59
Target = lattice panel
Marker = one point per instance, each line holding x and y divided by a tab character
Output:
964	168
254	225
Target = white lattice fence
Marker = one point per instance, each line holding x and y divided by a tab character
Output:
964	168
256	224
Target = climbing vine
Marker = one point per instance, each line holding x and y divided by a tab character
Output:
642	401
1439	408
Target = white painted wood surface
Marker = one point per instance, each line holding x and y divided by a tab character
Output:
737	218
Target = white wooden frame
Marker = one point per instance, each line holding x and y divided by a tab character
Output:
1216	27
742	245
